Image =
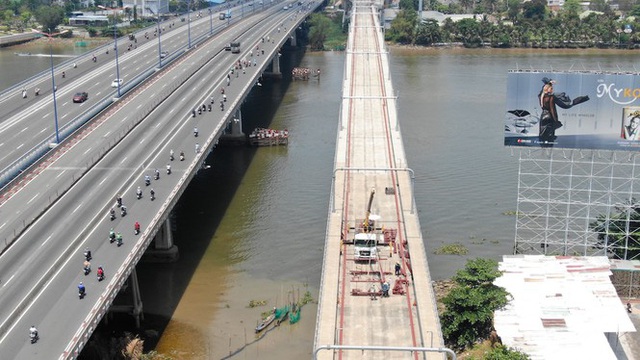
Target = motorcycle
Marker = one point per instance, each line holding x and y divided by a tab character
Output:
136	230
209	108
171	156
157	175
123	211
147	180
86	268
87	255
112	215
199	111
100	274
193	113
181	156
81	292
34	337
139	194
119	201
168	169
119	240
112	236
195	132
152	195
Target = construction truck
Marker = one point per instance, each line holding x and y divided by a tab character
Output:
365	240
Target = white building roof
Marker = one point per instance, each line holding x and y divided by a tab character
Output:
562	307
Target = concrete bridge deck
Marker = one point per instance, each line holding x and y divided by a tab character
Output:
370	156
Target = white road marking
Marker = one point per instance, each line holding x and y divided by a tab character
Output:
85	153
33	198
103	180
49	238
62	172
8	281
21	145
76	209
123	160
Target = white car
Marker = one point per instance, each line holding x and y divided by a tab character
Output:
163	54
115	82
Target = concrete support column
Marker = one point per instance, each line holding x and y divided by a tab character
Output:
137	313
275	64
163	249
236	124
293	39
135	306
164	237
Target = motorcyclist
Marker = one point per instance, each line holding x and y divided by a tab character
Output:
87	254
152	194
157	174
171	155
195	132
168	169
224	97
81	289
123	211
100	273
37	91
33	333
119	238
119	200
181	155
136	227
209	108
193	112
139	192
112	212
87	267
64	75
147	180
112	235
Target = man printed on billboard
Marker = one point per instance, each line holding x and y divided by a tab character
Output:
631	131
549	121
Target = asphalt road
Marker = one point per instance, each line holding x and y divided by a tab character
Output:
40	271
28	122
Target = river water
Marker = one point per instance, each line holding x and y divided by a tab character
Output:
253	226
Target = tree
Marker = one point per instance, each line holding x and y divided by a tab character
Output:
428	33
501	352
49	17
403	27
470	304
535	9
572	7
320	27
619	232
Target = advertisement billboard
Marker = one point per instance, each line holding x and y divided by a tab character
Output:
578	110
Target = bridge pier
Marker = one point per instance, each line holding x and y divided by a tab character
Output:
135	308
163	249
234	135
293	39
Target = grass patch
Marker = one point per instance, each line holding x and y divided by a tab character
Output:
451	249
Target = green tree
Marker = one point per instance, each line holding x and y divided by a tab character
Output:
535	9
49	17
403	27
619	232
572	7
501	352
470	304
428	33
320	26
600	5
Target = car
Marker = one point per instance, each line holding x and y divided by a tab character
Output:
227	48
116	82
285	7
164	54
80	97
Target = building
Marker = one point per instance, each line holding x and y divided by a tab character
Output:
147	8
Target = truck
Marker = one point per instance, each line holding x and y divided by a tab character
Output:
365	247
235	47
365	241
222	16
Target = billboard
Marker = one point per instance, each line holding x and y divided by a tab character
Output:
578	110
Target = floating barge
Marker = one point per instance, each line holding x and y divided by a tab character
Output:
268	137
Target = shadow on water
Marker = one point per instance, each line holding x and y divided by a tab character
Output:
196	218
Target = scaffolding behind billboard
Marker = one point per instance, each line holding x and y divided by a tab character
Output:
578	202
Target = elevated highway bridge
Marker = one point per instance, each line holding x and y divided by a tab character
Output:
59	206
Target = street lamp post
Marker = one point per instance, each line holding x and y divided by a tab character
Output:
189	24
50	35
210	22
159	32
115	44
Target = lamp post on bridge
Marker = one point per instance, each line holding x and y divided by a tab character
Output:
189	24
115	42
50	35
159	32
